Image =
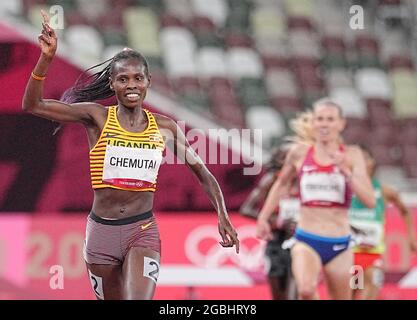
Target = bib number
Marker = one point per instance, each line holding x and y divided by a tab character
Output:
371	235
124	165
150	268
323	187
289	210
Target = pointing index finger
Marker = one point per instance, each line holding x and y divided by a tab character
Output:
45	16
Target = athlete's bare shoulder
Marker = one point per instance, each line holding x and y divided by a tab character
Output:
297	151
296	155
353	151
96	111
164	122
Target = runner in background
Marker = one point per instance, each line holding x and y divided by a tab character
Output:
370	242
328	173
278	260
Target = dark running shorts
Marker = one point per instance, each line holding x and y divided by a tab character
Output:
278	259
108	241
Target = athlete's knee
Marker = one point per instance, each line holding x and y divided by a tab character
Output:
139	294
306	291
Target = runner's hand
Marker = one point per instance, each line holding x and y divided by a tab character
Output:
263	230
341	160
47	39
228	234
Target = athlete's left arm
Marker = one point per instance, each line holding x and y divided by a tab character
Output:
392	196
354	166
177	141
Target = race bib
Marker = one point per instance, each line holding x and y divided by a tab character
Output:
131	166
372	233
318	186
289	209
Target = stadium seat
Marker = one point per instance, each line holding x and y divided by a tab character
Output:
243	62
11	7
300	23
405	93
202	24
191	93
251	91
272	45
110	51
67	5
366	43
396	62
87	42
114	36
309	77
303	8
238	19
334	52
328	15
350	102
373	83
275	62
394	43
268	120
178	45
211	62
267	21
172	37
34	16
338	78
367	51
168	20
205	32
269	4
179	8
233	39
216	10
142	26
157	6
280	83
304	44
93	8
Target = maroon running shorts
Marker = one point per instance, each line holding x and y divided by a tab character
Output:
108	241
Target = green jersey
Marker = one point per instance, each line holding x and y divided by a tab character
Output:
370	221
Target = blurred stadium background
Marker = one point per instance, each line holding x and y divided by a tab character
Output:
215	64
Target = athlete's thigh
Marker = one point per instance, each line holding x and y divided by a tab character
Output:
306	265
140	273
374	280
337	273
106	281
